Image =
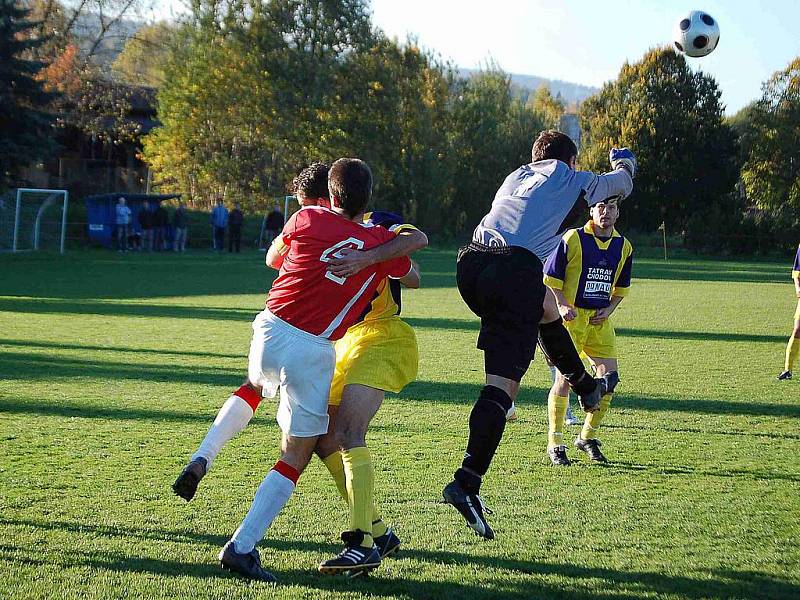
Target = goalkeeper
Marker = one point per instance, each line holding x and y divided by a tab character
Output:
589	273
793	347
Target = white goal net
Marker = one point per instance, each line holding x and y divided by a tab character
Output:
33	219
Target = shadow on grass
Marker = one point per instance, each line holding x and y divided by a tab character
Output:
474	325
664	469
43	367
691	430
119	309
467	393
122	349
707	270
606	582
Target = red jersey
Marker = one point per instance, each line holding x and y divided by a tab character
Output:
310	298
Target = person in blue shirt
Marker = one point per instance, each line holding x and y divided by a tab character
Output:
219	220
123	222
589	274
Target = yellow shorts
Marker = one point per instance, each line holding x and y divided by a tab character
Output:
596	341
380	354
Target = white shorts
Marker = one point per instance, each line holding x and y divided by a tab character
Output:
301	365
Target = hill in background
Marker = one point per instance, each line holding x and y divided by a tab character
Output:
571	93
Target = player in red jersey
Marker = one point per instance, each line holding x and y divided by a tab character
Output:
307	309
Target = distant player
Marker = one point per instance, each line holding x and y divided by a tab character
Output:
793	347
292	347
500	278
589	274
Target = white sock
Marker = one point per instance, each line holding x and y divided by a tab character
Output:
271	497
231	419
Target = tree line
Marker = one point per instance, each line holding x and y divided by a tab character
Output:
250	91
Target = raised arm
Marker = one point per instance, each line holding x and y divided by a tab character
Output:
618	182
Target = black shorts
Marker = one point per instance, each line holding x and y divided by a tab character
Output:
505	288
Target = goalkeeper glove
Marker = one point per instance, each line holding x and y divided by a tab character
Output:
622	158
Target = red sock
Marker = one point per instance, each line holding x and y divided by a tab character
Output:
249	395
287	471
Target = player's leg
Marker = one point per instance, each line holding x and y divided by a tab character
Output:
557	344
792	348
231	420
358	407
557	402
239	554
505	292
304	365
587	440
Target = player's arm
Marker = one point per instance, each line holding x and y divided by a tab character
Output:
601	314
408	240
412	279
555	272
280	246
276	253
617	183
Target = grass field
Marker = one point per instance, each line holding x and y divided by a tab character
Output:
112	367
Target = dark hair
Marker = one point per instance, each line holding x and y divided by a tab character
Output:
312	182
553	144
350	180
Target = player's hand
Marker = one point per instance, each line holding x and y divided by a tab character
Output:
600	315
349	261
623	158
567	312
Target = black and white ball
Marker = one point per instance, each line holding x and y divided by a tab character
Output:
696	34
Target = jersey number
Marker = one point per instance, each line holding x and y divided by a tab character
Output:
335	252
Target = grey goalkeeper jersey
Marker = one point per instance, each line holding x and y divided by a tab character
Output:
538	201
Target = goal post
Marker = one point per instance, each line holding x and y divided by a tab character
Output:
33	223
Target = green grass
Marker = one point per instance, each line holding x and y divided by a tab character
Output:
112	367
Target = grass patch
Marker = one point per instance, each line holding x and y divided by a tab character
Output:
112	367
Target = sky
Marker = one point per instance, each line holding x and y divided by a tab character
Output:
587	41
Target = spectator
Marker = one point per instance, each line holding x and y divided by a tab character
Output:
160	223
235	222
123	220
275	221
219	219
179	224
146	223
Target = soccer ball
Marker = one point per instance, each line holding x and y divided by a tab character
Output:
696	34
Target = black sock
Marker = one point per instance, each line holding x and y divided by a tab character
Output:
559	348
487	421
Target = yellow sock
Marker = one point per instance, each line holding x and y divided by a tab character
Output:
336	469
360	478
792	350
593	420
556	409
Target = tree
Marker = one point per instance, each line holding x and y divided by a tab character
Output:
672	119
24	121
549	108
771	173
491	133
144	56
